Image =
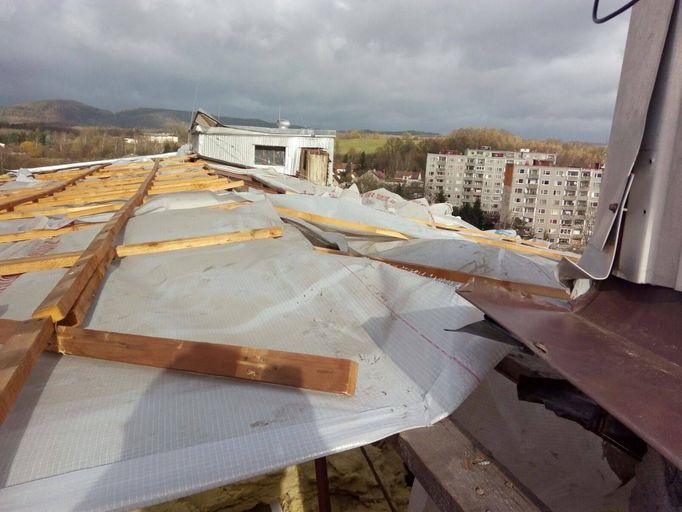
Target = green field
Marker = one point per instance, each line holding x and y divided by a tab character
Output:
367	144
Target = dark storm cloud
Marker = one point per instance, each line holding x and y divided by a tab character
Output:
535	67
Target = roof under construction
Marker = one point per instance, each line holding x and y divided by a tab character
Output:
173	324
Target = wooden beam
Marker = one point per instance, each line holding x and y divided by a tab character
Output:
462	277
328	374
248	180
211	186
100	251
69	211
68	259
38	263
80	308
20	345
197	241
44	233
518	247
349	225
460	475
11	203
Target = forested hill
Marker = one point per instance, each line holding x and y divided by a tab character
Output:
73	113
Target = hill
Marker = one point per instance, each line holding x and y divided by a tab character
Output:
73	113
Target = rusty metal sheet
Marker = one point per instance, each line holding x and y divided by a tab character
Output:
621	345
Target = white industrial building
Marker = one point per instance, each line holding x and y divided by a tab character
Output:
306	153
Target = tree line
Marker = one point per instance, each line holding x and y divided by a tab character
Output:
25	147
408	152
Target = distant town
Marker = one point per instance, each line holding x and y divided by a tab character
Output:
542	189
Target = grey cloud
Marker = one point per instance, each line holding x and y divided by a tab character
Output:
536	67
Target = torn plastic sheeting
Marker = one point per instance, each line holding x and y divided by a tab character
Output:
324	238
349	194
33	224
442	209
108	436
466	256
348	211
385	200
96	218
174	224
83	165
182	201
508	233
457	222
24	181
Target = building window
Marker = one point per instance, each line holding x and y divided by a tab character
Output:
269	155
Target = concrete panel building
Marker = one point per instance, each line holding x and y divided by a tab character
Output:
477	174
558	204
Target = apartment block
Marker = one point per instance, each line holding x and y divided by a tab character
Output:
558	203
477	174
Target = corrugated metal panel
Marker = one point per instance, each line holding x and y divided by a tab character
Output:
239	148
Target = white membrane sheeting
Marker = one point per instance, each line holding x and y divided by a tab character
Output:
466	256
96	435
352	212
277	180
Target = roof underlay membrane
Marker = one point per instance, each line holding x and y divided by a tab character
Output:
207	258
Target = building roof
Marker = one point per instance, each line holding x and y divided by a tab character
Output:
141	271
205	123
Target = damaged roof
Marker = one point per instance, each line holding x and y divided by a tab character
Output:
172	325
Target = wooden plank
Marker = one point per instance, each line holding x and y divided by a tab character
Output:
229	206
11	203
328	374
350	225
111	172
460	475
38	263
79	200
462	277
213	186
44	233
115	189
197	241
102	182
248	180
68	211
20	346
518	247
459	276
100	251
79	310
68	259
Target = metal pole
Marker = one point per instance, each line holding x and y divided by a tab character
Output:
323	500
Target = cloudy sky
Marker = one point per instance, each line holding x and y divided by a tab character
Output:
539	68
